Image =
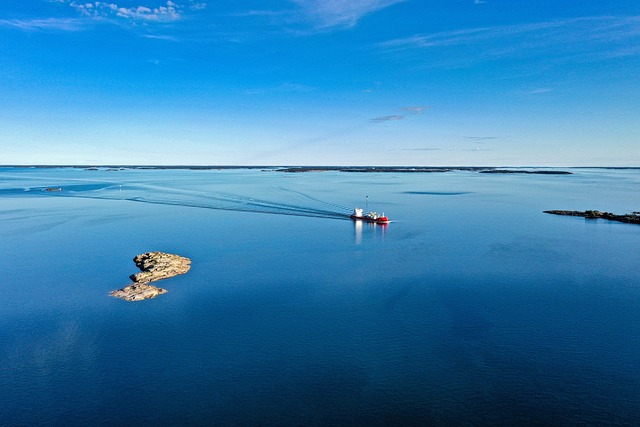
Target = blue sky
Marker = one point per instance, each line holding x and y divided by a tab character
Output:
310	82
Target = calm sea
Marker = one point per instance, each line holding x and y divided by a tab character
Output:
472	307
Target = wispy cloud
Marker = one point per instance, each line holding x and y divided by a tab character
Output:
160	37
262	13
538	91
339	13
413	109
282	88
48	24
482	139
476	149
468	36
416	109
591	37
387	118
311	16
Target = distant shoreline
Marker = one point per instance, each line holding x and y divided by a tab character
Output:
423	169
542	170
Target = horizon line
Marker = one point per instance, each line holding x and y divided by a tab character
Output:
327	167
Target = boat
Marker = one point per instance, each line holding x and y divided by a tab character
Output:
359	215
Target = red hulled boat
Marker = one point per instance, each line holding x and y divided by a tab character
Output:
359	215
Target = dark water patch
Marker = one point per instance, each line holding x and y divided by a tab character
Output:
468	315
437	193
397	297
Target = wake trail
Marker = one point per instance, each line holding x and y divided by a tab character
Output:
207	200
329	205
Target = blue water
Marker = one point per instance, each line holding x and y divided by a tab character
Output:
472	307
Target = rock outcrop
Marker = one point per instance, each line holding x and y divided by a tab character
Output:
632	218
158	266
154	266
138	292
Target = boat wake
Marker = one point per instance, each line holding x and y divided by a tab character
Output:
300	204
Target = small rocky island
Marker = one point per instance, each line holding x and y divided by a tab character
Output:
154	266
631	218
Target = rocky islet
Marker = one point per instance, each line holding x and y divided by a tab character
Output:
154	266
630	218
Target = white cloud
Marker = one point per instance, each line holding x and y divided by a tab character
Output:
197	5
590	37
416	109
538	91
163	12
56	24
170	12
339	13
166	11
160	37
320	15
466	36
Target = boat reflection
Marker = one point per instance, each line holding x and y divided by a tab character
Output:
369	229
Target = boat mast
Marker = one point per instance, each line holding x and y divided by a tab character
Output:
366	203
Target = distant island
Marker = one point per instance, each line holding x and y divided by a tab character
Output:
631	218
401	169
538	170
419	169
